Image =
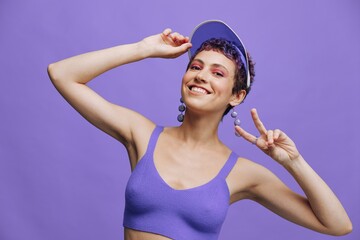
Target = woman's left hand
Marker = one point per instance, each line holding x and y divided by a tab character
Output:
274	143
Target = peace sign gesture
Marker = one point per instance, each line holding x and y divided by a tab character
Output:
274	143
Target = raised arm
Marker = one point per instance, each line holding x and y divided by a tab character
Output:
71	75
321	210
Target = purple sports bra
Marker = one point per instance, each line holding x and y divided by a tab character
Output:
191	214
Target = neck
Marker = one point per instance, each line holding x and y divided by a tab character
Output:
200	129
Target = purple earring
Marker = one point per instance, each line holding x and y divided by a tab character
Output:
237	121
182	109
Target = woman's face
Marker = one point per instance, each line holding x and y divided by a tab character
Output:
207	84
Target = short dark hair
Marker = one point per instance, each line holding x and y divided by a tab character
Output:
229	50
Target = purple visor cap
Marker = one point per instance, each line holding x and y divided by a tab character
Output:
218	29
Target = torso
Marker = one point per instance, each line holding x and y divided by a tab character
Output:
183	167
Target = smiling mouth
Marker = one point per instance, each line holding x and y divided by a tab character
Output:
198	90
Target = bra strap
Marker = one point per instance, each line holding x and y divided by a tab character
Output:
153	139
230	163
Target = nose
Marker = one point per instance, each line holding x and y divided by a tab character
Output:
201	76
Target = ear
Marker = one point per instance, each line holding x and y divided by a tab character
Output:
237	98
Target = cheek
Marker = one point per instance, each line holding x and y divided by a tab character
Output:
186	77
184	81
224	87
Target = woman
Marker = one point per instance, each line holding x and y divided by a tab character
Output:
184	178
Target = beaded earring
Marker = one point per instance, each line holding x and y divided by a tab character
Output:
181	108
237	121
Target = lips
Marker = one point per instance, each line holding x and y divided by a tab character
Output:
199	90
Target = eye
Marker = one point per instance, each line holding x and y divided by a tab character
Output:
195	67
219	74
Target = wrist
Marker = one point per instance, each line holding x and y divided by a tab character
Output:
144	50
294	164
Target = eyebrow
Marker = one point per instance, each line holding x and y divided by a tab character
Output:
214	64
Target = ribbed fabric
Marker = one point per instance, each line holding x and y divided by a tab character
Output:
191	214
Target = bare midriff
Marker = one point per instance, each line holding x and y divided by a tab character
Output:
131	234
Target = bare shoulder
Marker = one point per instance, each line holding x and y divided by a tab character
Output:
140	135
245	176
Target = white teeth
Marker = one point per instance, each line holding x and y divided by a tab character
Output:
198	90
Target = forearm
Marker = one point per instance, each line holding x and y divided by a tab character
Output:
325	205
82	68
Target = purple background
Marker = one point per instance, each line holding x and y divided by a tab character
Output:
61	178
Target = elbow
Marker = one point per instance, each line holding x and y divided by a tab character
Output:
348	230
344	230
60	74
51	70
56	73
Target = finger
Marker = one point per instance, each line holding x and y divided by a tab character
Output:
175	36
185	46
182	48
167	31
270	137
180	38
282	135
277	133
258	124
244	134
179	50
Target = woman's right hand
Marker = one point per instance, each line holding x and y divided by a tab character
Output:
166	44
